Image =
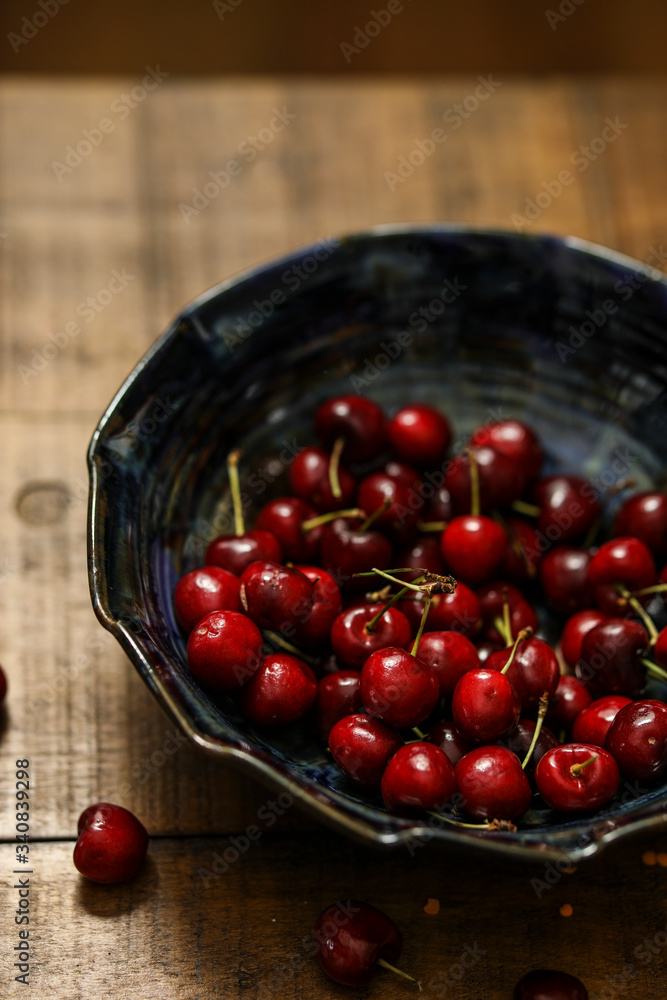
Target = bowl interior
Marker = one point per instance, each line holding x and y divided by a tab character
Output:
484	325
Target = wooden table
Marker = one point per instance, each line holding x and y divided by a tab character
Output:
73	221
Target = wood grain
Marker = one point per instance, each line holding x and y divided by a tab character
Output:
76	707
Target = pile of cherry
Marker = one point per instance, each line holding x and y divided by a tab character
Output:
390	602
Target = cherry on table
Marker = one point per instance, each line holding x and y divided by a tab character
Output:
398	688
284	517
419	777
450	655
419	433
549	984
224	650
338	695
564	579
309	481
610	661
358	421
473	547
574	630
594	722
637	738
492	784
353	938
276	596
353	639
446	736
111	845
362	747
644	516
281	691
204	590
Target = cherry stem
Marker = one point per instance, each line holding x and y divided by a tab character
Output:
657	588
388	576
235	487
576	769
500	628
523	634
399	972
371	625
431	525
643	614
654	670
315	522
529	509
542	711
474	485
334	463
417	731
495	824
277	640
592	533
374	516
517	545
415	644
507	621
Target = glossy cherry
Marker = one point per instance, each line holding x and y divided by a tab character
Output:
519	742
313	631
569	507
446	736
358	421
533	671
281	691
423	553
491	601
276	597
500	481
492	784
610	661
594	722
347	550
362	747
570	699
224	650
338	695
400	517
439	506
112	843
564	579
204	590
644	516
624	561
235	552
450	655
577	777
484	706
473	547
419	433
637	738
419	777
549	984
309	481
284	518
516	441
352	937
524	551
398	688
574	630
353	639
458	611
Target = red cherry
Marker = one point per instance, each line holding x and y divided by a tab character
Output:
593	723
450	655
359	421
484	706
284	518
500	481
440	506
569	507
533	671
577	777
424	553
574	630
204	590
281	691
637	738
347	550
491	600
400	517
520	741
659	649
419	433
644	516
564	579
398	688
514	440
327	605
570	699
362	746
112	844
276	597
610	661
224	650
235	552
473	547
624	561
492	784
352	937
524	551
547	984
338	695
309	481
353	641
458	611
418	777
404	473
446	736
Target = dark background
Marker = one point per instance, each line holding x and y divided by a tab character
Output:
305	36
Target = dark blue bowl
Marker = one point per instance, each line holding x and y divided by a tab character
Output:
568	337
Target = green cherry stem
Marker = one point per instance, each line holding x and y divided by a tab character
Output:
494	824
654	670
431	525
315	522
576	769
372	518
529	509
415	644
523	634
542	711
474	485
277	640
641	611
235	488
372	624
500	628
399	972
334	464
657	588
507	621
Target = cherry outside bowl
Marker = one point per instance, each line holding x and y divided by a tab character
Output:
569	337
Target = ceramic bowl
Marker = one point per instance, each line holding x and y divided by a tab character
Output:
566	336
